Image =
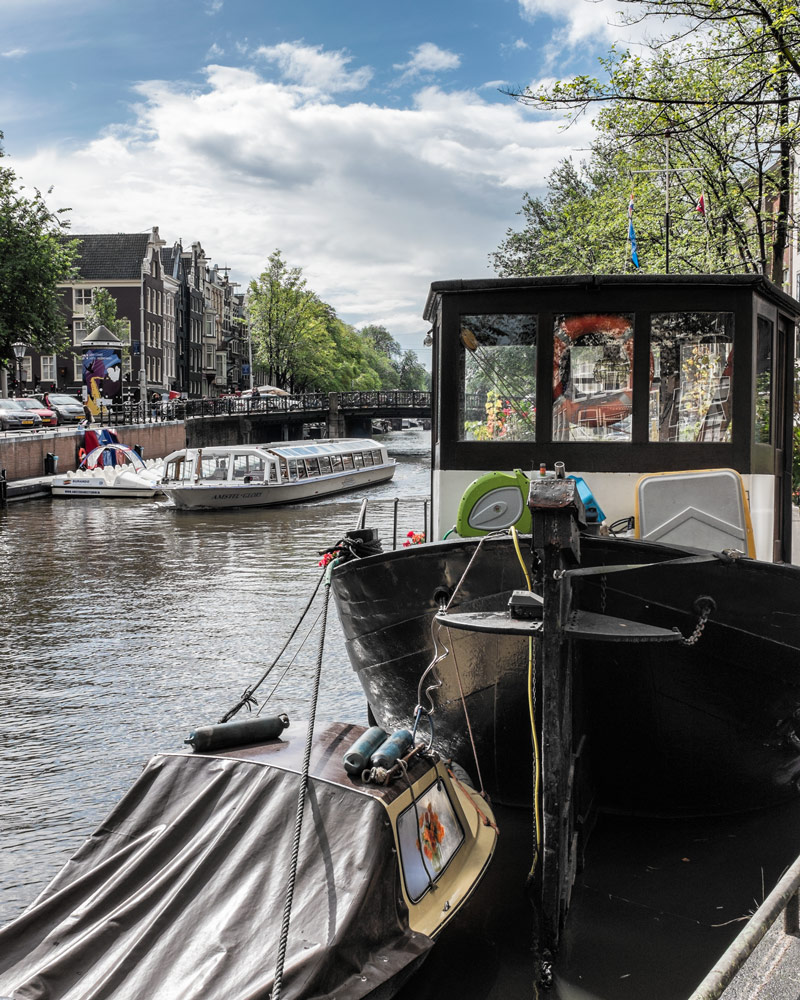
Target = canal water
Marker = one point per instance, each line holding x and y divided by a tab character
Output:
126	624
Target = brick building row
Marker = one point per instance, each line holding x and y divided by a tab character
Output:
183	320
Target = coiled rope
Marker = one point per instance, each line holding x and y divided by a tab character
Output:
301	804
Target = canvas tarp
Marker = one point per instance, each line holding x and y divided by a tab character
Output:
180	895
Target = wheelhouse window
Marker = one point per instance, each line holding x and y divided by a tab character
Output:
368	458
248	465
763	409
497	390
691	384
592	377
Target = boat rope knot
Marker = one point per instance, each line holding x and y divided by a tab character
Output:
704	606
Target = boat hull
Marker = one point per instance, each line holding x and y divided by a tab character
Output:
108	492
213	496
670	729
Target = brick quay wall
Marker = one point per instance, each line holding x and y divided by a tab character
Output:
22	455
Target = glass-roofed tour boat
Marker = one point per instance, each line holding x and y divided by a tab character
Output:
270	474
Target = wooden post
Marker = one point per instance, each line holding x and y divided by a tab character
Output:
557	514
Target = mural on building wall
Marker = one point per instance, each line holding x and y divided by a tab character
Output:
102	369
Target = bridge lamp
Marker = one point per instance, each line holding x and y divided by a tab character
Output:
428	341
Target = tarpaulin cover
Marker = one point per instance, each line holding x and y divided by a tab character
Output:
180	895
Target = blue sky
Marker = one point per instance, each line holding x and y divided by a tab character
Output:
366	140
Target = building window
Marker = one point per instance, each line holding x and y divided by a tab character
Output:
47	365
77	369
81	299
78	332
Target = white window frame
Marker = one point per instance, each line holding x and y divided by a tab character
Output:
79	302
47	367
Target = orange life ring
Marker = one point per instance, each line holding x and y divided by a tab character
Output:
81	454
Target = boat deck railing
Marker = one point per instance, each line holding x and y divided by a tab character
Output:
732	969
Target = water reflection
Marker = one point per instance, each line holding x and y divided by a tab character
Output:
124	625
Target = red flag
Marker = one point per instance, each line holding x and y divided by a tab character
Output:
701	205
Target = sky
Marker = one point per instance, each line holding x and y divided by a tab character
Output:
369	141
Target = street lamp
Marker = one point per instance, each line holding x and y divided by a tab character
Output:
19	347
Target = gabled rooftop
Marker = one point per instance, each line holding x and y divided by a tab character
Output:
110	256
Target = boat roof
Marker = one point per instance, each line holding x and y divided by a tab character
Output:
756	282
291	449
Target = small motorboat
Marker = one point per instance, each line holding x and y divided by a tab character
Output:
181	891
113	471
272	474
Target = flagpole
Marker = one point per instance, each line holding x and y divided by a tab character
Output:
666	216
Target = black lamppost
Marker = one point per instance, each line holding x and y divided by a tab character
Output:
19	347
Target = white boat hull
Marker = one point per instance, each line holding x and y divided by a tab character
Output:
214	495
99	488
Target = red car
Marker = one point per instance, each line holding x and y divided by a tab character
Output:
49	418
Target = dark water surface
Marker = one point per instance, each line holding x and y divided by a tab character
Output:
124	625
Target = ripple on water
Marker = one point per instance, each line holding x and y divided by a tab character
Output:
123	626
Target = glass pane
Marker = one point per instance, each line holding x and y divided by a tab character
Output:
498	385
692	376
592	377
429	834
763	411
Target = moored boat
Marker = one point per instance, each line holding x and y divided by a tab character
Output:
112	471
606	641
272	474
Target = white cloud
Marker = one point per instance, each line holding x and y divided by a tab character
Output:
372	202
428	58
312	67
213	7
215	51
14	53
583	20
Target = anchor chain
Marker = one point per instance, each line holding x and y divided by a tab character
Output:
703	606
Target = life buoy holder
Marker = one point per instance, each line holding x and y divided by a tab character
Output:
81	454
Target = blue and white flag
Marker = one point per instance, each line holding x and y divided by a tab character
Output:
632	234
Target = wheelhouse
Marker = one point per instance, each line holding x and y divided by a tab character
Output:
616	376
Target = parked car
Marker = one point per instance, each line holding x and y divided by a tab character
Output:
14	417
67	408
49	417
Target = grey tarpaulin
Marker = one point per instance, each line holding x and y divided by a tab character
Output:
180	894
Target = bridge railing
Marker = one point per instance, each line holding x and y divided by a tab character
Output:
313	403
397	398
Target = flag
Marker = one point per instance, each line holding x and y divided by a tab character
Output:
632	234
701	205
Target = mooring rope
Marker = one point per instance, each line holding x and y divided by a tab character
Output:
247	695
301	804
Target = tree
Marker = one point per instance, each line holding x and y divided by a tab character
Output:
729	157
738	77
284	316
34	260
413	374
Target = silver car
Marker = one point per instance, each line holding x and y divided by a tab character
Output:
14	417
66	408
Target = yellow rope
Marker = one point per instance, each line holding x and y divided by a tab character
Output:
534	736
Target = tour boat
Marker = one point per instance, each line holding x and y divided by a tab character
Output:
112	471
272	474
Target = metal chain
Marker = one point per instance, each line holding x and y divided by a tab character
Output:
603	594
694	638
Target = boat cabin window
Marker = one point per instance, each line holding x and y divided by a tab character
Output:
368	458
497	389
592	377
312	466
248	465
347	461
358	460
212	467
176	469
691	386
429	834
336	463
763	408
324	465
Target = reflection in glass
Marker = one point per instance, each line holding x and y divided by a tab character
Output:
592	377
497	398
763	410
692	380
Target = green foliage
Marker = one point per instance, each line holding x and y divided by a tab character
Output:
103	312
304	345
722	101
34	260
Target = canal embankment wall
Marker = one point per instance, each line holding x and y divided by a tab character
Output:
24	456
